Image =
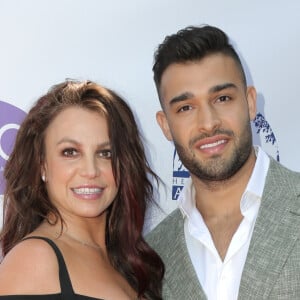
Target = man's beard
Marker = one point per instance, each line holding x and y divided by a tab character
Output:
217	168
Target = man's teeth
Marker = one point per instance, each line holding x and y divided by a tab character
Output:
212	144
87	191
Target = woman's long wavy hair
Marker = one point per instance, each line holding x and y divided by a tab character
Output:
26	203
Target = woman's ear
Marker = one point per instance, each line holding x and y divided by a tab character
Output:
43	174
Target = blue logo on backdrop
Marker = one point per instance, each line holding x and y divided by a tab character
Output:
10	119
262	129
180	175
262	135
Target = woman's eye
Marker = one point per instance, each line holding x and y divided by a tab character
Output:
70	152
105	153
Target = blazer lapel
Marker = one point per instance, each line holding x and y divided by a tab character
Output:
275	233
180	274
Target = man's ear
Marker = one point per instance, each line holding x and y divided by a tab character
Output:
164	125
251	99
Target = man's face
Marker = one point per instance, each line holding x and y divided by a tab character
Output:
207	112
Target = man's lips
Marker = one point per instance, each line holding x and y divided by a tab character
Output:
214	143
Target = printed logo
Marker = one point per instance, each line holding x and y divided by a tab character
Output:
262	135
180	175
10	120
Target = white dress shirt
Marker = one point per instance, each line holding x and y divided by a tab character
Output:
221	279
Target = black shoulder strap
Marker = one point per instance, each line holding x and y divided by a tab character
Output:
64	278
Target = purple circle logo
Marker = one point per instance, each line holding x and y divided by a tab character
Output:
10	119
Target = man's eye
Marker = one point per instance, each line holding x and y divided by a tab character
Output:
69	152
185	108
223	98
105	154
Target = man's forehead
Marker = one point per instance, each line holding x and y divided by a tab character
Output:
213	70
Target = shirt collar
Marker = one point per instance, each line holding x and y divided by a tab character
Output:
256	183
186	198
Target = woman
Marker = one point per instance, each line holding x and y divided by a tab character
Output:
77	188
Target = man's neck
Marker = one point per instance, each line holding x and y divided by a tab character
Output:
219	204
215	198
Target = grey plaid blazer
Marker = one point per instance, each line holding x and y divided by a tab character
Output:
272	268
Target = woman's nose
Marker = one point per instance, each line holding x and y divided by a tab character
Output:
90	168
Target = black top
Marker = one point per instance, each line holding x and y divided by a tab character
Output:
67	291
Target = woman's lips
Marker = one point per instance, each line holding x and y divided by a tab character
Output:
87	192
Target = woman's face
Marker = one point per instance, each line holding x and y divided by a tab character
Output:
77	166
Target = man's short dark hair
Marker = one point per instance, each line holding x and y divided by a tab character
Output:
191	44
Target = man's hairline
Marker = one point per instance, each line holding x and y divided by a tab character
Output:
238	64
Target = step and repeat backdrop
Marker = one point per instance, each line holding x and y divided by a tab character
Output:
43	42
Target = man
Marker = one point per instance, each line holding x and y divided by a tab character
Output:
236	232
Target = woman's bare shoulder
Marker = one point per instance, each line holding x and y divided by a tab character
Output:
30	267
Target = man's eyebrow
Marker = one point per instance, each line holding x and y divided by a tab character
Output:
214	89
181	97
220	87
